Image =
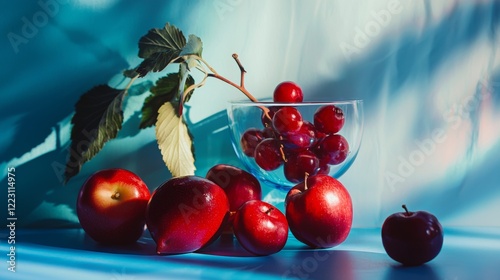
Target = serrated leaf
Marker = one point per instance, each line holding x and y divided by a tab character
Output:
167	39
193	46
156	63
159	47
130	73
98	118
164	90
174	141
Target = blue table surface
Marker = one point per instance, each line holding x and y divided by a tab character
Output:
468	253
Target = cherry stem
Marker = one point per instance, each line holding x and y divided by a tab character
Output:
406	209
242	70
216	75
240	87
306	175
269	210
116	195
282	152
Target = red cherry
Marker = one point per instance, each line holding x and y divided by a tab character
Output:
329	119
300	164
302	139
269	132
268	119
268	155
333	149
287	119
250	139
324	168
288	92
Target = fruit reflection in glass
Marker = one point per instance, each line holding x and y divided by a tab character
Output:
282	143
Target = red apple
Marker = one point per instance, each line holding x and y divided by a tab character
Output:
412	238
260	227
319	211
186	213
111	206
239	185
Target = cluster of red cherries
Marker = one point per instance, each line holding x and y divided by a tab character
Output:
304	148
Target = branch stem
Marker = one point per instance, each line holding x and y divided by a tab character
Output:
242	70
241	86
132	80
125	90
214	74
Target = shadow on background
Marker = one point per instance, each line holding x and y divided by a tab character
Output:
397	272
58	64
48	203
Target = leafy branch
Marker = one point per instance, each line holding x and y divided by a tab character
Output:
99	112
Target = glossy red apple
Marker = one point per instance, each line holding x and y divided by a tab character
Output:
111	206
260	228
239	185
319	211
412	238
186	213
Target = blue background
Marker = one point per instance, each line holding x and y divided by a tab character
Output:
429	72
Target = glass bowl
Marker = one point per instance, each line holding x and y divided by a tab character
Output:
249	125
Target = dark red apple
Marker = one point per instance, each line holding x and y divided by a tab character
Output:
412	238
319	211
239	185
186	213
260	228
111	206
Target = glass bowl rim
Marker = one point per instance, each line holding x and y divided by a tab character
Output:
305	103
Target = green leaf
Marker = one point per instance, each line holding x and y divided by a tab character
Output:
167	39
159	47
98	118
130	73
193	46
155	63
174	141
165	90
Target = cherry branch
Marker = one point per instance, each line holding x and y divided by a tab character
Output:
127	87
242	70
240	87
214	74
